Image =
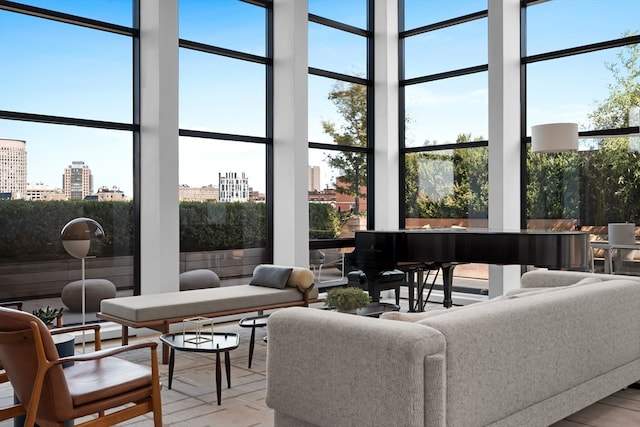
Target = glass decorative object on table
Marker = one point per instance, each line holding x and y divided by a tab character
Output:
198	325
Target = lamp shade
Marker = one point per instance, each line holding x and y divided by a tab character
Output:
77	234
554	137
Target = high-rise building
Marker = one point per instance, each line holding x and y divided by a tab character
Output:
313	173
77	181
233	187
13	167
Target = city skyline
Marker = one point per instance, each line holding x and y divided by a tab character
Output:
15	148
223	95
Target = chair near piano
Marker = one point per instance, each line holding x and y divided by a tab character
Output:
404	274
384	280
329	258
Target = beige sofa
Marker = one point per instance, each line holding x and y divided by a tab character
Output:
529	358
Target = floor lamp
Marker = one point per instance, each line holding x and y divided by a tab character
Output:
76	239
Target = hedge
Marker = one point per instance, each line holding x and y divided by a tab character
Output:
30	230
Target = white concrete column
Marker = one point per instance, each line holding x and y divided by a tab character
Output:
290	137
504	132
386	157
159	225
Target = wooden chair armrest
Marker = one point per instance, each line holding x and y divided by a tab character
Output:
16	304
100	354
12	411
94	327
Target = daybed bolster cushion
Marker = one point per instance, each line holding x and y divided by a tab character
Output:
523	350
301	278
198	301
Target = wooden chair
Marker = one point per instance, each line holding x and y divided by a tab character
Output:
96	382
3	375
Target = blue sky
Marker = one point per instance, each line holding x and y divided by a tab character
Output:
53	68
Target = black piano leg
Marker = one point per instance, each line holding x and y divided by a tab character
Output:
374	291
411	286
447	284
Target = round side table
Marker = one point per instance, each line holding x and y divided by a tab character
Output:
253	323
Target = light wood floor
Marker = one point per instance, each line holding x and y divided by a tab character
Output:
192	400
621	409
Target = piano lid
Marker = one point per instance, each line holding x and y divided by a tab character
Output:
542	248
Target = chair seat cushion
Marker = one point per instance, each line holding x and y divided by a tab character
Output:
108	377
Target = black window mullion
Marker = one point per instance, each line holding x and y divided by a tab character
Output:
67	18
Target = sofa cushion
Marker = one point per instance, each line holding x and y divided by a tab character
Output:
271	276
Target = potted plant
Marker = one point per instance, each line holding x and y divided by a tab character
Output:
47	315
347	300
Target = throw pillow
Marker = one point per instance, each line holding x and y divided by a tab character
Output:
270	276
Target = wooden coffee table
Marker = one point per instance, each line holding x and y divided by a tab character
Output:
218	342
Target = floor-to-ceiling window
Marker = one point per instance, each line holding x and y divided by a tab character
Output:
340	136
225	109
444	117
66	141
581	64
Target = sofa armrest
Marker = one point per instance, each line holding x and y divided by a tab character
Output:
323	368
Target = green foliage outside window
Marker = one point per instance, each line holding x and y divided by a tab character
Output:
448	184
350	100
30	230
595	186
324	221
220	225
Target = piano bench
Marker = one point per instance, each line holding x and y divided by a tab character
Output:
386	280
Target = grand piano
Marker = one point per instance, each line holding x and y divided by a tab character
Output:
379	251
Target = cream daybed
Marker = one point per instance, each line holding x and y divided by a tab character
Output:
271	287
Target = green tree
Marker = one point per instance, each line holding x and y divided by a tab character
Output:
612	172
351	102
553	188
323	221
624	92
602	184
449	183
